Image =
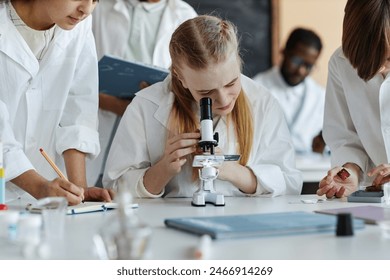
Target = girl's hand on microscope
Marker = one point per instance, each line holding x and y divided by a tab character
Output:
177	149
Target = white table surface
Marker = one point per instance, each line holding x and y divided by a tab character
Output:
171	244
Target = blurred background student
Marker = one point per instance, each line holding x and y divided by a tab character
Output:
357	115
301	98
138	30
48	97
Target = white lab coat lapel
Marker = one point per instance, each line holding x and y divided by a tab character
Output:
122	9
305	106
163	100
168	21
114	23
60	42
168	24
309	119
22	54
19	52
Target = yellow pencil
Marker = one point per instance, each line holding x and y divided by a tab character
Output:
56	169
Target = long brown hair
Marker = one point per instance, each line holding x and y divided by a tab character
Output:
198	42
365	41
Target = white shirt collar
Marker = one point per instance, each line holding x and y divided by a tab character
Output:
149	7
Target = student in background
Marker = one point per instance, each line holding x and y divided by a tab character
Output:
301	98
158	135
48	97
357	115
137	30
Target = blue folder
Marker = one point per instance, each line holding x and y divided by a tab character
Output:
122	78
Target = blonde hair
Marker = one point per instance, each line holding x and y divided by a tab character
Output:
199	42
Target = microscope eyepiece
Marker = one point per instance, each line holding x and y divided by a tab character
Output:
207	141
205	109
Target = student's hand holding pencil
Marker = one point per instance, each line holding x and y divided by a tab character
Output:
88	194
62	187
39	187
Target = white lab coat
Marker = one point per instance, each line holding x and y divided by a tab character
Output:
357	116
141	136
111	28
308	121
51	105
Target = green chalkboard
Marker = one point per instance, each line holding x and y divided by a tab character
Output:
253	19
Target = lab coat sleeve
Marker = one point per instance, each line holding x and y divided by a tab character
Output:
339	131
273	158
78	125
15	161
128	158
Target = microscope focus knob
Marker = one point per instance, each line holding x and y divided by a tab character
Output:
216	137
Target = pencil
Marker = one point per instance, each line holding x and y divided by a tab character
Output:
52	164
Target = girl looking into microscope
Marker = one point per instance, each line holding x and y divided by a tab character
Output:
158	135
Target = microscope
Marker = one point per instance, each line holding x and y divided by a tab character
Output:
208	161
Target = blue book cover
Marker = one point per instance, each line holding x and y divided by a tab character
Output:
258	225
122	78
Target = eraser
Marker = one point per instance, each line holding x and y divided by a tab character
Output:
343	174
3	207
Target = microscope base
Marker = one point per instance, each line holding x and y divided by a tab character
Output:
200	199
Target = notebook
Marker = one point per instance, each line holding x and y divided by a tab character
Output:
85	207
88	207
370	214
258	225
122	78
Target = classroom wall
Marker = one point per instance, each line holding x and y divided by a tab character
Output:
323	16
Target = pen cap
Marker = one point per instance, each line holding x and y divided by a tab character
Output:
344	224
